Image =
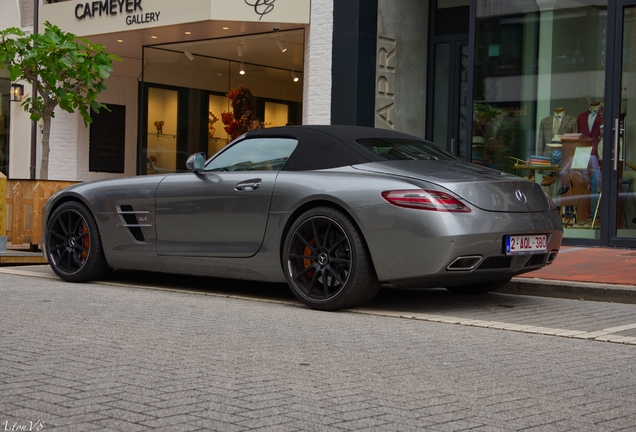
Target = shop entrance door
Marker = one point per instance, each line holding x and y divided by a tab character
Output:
447	109
621	128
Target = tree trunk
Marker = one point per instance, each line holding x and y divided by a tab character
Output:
46	134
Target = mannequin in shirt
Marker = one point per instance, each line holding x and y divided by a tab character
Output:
589	123
553	126
550	130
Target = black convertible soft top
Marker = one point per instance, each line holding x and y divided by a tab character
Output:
323	147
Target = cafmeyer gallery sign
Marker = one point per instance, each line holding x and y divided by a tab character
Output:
107	16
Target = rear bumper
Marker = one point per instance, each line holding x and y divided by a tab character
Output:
415	247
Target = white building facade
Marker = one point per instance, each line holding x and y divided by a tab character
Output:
483	79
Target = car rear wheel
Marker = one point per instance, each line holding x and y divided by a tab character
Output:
481	288
74	248
326	261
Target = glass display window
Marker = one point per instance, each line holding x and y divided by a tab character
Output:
538	99
163	106
217	137
186	86
276	114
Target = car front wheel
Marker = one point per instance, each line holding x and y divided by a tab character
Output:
326	261
73	245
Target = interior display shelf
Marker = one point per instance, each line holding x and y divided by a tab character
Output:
162	135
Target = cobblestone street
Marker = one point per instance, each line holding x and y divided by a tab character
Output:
79	357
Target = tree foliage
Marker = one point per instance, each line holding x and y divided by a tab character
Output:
68	72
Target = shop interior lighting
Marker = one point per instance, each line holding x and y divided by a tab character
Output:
17	91
242	69
188	33
239	49
281	45
120	40
189	55
294	76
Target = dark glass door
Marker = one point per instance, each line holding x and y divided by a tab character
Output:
620	132
448	106
448	75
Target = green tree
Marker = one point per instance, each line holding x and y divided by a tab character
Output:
67	71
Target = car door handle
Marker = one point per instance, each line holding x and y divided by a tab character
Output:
248	185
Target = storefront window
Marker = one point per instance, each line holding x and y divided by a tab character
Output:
162	130
185	87
538	99
5	111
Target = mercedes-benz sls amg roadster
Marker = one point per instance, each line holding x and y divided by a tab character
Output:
334	211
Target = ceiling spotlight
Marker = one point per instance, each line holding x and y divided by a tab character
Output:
282	46
189	55
188	33
239	48
242	69
294	76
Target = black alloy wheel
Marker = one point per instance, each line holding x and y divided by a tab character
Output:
327	264
73	245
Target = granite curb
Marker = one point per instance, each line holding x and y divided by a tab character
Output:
587	291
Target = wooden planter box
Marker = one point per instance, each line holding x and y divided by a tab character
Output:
24	202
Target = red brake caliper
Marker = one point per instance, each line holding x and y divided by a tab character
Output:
86	241
307	262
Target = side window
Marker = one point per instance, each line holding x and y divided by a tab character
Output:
256	154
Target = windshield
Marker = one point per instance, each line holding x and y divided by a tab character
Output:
405	149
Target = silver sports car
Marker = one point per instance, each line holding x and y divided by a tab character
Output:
335	211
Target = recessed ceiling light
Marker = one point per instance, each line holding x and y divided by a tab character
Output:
120	40
226	28
154	37
188	32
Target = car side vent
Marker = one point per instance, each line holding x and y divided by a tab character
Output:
535	260
130	217
493	263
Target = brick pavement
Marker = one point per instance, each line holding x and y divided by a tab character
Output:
590	264
99	357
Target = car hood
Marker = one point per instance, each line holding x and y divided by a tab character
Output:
485	188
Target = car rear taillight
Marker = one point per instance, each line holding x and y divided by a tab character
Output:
425	200
551	201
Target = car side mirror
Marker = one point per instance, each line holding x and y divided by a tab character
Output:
196	162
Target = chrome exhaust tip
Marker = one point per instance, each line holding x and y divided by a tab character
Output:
465	263
551	257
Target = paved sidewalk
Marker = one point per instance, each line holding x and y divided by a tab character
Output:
93	357
585	273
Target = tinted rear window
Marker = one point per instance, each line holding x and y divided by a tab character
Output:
405	149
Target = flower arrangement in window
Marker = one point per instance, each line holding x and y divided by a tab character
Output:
212	118
243	117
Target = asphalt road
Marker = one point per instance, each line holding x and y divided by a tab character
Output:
143	351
